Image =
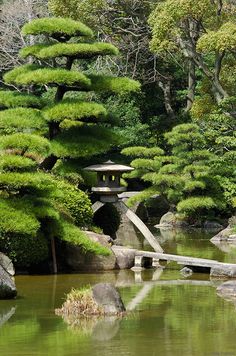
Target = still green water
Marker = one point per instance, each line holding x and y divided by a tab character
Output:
171	315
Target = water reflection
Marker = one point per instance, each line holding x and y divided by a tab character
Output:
225	246
176	314
193	242
168	314
227	291
5	315
98	328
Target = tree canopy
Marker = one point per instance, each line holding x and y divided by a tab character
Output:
37	133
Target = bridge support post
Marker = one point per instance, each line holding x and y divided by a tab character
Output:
155	263
138	264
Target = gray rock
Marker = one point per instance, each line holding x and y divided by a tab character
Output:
223	271
232	221
107	296
127	235
124	257
223	235
212	225
7	285
227	290
186	272
78	261
170	220
7	264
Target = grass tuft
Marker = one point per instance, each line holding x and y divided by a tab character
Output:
80	302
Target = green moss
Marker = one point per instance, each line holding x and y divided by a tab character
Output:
21	118
101	83
75	50
11	99
26	143
76	110
56	27
53	76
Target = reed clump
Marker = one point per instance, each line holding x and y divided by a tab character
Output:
80	302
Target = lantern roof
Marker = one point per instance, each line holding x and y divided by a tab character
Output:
109	166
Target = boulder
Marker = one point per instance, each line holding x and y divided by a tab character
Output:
232	237
78	261
212	225
7	264
7	285
227	290
170	220
124	257
126	235
223	271
107	297
223	235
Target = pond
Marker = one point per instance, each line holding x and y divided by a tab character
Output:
171	315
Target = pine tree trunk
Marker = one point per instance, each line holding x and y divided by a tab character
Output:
191	84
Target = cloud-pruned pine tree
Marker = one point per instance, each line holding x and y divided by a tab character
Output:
184	176
36	134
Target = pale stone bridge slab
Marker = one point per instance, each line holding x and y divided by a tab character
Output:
216	268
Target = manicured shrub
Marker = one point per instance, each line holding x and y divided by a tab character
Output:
24	250
76	202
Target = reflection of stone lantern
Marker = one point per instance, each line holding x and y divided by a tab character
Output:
108	180
108	187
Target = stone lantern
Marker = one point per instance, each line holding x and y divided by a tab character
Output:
108	187
108	180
